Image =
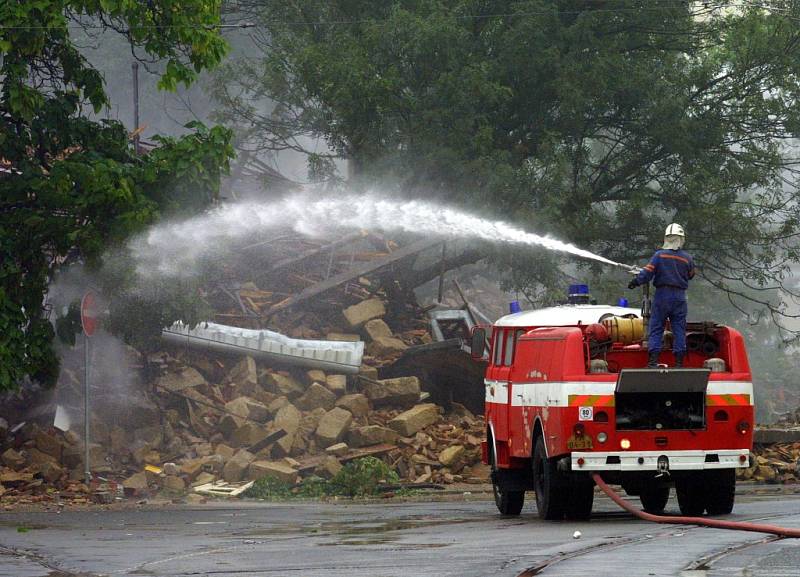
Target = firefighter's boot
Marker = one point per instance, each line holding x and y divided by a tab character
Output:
652	359
679	360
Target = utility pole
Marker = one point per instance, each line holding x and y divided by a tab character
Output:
135	67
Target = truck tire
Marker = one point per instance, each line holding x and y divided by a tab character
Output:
549	490
691	493
720	491
654	499
579	501
509	503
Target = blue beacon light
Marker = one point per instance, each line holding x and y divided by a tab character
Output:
514	307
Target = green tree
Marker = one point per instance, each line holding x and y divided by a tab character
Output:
598	121
70	186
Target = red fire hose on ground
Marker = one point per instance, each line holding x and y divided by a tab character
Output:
676	520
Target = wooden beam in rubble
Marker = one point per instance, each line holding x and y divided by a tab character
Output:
361	269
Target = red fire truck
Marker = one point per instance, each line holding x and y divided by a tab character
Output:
568	394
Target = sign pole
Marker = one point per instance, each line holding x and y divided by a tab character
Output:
89	324
86	468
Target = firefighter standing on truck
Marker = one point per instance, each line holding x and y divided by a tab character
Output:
670	269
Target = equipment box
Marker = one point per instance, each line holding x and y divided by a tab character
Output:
661	399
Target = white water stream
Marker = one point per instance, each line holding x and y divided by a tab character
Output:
175	248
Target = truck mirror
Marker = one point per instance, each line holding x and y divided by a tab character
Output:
478	344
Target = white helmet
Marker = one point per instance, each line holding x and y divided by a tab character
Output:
674	230
674	237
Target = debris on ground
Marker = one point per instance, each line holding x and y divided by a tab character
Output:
212	421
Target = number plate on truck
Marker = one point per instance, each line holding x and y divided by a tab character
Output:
579	442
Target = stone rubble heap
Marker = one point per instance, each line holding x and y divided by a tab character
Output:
210	418
778	462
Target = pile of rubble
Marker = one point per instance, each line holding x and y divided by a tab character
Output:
777	452
211	422
778	463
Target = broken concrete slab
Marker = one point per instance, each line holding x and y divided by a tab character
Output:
244	375
338	449
228	425
276	405
364	311
315	376
329	467
280	471
186	378
337	384
317	396
452	456
12	459
371	435
368	372
287	418
415	419
237	465
136	483
49	471
173	483
48	444
333	426
248	435
377	328
398	392
238	409
202	479
283	385
356	403
257	411
386	347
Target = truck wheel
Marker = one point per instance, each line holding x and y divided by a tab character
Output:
654	499
720	491
580	499
508	502
691	493
549	491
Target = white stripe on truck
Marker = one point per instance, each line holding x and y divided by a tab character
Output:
557	393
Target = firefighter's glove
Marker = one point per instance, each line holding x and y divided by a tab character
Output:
633	284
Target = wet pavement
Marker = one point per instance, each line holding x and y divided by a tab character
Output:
461	537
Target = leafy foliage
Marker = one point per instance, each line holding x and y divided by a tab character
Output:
361	477
358	478
71	186
600	122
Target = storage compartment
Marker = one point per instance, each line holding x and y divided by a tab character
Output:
661	399
660	411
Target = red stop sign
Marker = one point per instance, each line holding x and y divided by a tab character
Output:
89	313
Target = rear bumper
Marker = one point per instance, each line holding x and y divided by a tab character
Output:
632	461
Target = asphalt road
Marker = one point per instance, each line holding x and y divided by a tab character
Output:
463	537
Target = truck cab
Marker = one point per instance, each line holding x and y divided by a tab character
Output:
568	393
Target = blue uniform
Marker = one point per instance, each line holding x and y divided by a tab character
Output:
670	271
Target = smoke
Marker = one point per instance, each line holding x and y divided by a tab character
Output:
175	249
115	386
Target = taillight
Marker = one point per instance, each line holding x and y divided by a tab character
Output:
579	429
743	427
